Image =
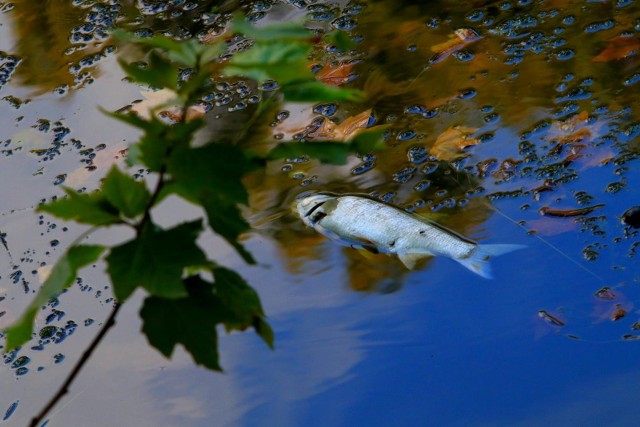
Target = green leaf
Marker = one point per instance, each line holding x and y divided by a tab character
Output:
154	147
189	52
369	140
159	73
214	169
227	221
91	209
212	177
282	61
238	298
264	331
289	30
155	260
125	193
134	120
242	307
190	321
335	153
315	91
61	277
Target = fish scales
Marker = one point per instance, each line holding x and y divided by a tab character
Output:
365	223
392	229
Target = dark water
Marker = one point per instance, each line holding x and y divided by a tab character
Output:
534	106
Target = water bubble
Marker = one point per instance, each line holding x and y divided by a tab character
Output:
599	26
631	80
415	109
12	408
632	217
565	54
422	185
476	15
20	362
463	55
467	93
404	174
269	85
344	22
429	168
417	154
491	118
363	167
406	135
326	110
429	114
282	115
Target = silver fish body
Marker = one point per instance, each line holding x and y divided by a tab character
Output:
365	223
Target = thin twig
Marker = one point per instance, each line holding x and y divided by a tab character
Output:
64	389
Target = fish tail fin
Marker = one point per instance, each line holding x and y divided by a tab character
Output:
478	262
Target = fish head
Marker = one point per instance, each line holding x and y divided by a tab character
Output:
315	207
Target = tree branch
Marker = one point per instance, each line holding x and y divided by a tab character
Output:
64	389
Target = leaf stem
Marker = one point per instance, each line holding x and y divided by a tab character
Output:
64	389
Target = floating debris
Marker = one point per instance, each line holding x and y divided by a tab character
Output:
568	212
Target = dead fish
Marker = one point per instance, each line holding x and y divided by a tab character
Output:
365	223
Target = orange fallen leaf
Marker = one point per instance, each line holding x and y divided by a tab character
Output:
461	38
349	128
619	47
450	143
336	75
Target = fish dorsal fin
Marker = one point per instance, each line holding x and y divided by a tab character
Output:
410	260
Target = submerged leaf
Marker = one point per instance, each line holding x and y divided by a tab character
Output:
461	38
348	129
450	143
618	48
335	75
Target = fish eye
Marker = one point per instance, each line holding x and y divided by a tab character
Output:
316	207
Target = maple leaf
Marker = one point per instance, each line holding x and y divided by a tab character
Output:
336	75
618	48
450	143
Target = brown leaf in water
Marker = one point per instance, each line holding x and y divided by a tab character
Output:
618	313
450	143
550	318
349	128
619	47
461	38
568	212
335	75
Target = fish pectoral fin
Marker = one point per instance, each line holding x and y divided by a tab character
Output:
371	249
410	260
365	244
367	254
